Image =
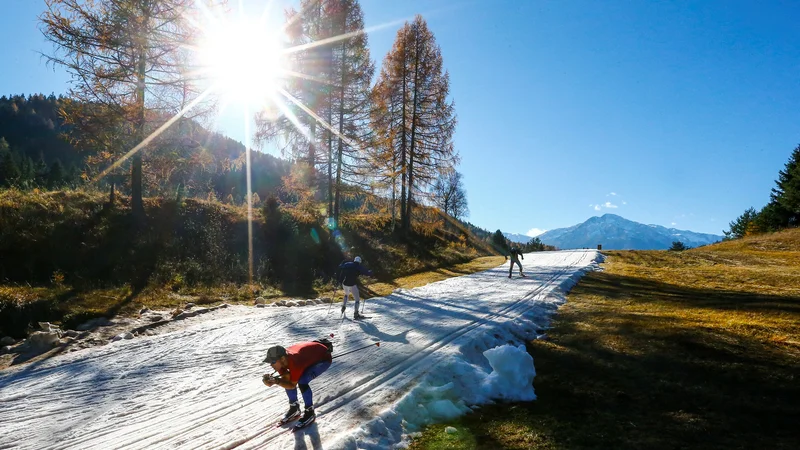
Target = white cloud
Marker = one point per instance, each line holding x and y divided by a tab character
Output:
673	224
533	232
607	205
613	193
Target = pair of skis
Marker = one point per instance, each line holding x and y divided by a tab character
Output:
288	420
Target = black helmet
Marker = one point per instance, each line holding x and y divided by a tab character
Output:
274	354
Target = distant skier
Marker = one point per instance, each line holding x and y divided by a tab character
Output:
348	276
515	254
297	366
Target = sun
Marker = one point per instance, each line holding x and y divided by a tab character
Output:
243	59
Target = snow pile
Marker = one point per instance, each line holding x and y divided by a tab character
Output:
512	378
435	399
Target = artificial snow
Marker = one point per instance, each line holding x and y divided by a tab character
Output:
512	375
43	339
445	349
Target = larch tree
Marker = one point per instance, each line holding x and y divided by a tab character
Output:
329	85
126	59
414	111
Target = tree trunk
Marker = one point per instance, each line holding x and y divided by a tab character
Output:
330	158
137	205
403	143
312	155
409	203
330	115
394	188
341	131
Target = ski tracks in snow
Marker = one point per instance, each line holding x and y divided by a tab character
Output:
199	386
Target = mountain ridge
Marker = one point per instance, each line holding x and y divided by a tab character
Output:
614	232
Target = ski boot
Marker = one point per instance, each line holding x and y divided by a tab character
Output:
308	418
292	414
357	315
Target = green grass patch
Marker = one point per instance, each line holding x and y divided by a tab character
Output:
437	438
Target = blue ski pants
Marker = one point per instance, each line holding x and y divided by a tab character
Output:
309	374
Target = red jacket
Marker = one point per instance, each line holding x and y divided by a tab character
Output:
302	356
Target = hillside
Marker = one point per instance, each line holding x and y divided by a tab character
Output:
63	251
199	162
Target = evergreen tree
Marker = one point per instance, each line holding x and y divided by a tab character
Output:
773	217
787	192
499	241
739	227
534	245
28	172
74	175
678	246
56	175
9	171
41	172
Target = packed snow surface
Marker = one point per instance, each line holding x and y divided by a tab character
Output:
444	348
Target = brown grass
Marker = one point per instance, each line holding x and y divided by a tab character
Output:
696	349
124	301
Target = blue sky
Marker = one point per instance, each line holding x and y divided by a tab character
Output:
674	113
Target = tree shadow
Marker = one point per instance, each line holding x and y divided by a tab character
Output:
372	330
643	290
37	357
114	309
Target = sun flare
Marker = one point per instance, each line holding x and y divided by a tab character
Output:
244	60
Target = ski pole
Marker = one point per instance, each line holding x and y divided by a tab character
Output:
332	299
377	344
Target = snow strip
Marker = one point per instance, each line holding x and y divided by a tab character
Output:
197	384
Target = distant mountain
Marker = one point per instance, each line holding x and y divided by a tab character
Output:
617	233
518	238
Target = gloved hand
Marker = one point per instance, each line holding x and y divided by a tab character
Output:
268	379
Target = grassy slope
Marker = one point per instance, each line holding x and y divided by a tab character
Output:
699	349
49	231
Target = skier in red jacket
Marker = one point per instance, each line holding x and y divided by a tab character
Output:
297	366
